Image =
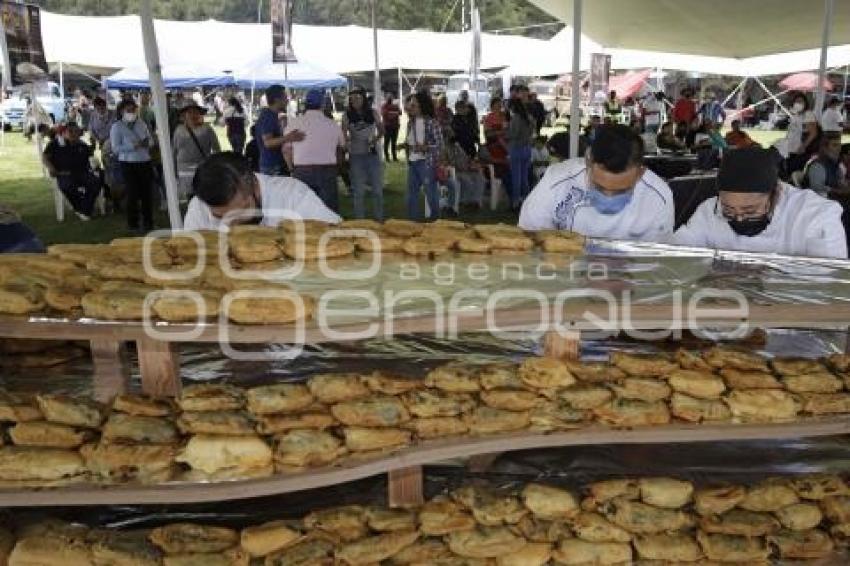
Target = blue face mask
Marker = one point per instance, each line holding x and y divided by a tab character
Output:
606	204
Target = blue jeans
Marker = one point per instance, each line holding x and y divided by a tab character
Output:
520	158
367	168
421	173
322	179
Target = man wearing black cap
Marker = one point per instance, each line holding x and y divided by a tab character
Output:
756	212
608	194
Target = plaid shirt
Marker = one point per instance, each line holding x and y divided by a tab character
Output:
433	139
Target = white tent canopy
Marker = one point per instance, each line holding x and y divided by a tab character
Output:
721	28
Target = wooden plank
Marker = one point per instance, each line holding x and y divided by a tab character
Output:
111	369
159	365
422	454
562	345
405	487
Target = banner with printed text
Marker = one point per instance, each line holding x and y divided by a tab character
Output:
24	48
281	18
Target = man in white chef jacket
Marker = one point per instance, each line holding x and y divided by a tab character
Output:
607	194
224	184
756	212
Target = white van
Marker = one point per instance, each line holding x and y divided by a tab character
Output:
13	111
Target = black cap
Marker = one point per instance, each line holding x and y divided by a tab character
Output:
748	170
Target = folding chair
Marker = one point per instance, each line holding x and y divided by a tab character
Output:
497	191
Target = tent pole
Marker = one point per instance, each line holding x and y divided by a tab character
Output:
161	111
734	91
401	85
773	96
575	109
844	92
828	8
376	86
62	79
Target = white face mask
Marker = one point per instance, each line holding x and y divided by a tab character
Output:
129	116
798	107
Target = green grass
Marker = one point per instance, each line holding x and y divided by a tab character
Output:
23	188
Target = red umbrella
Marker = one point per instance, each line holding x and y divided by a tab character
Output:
804	81
628	84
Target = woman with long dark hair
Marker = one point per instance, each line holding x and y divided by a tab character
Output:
363	130
234	121
520	134
424	147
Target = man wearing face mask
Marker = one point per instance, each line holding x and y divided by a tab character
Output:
608	194
756	212
225	184
131	141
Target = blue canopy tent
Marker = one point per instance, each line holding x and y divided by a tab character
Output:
174	76
301	75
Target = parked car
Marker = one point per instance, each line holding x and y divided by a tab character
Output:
13	110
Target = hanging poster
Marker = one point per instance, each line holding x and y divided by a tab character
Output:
600	68
281	18
24	49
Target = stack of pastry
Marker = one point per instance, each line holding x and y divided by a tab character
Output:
660	520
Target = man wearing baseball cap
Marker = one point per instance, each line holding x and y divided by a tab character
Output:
756	212
314	159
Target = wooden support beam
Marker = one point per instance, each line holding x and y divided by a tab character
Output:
111	369
159	365
562	345
405	487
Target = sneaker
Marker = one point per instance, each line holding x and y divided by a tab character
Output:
83	217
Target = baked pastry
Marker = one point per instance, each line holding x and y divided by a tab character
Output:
721	358
359	439
213	454
181	307
311	550
347	522
562	245
211	397
499	375
484	542
648	390
840	533
47	435
740	522
627	413
813	383
282	306
383	520
575	551
308	226
427	246
256	247
640	518
51	550
585	397
769	496
275	424
70	411
303	448
143	406
643	365
380	244
337	387
147	463
603	491
797	366
491	507
376	411
676	547
124	548
26	464
486	420
208	422
440	516
403	228
699	384
311	248
595	372
718	500
510	399
803	545
454	377
278	398
474	245
800	516
425	403
539	530
375	549
762	405
836	508
549	503
690	360
696	410
557	415
437	427
16	409
261	540
545	373
128	428
390	384
818	486
825	403
668	493
532	554
64	298
593	527
114	305
184	538
509	242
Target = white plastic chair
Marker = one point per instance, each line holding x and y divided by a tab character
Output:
497	191
59	201
442	192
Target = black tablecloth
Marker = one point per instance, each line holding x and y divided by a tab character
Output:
670	166
689	192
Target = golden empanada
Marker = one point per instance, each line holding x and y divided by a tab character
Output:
208	422
573	551
669	493
699	384
375	411
802	545
690	360
749	379
262	540
800	516
26	464
143	405
390	384
211	397
540	530
643	365
818	486
549	503
640	518
121	427
437	427
836	508
474	245
383	520
425	403
275	424
595	372
302	448
179	307
484	542
269	305
70	411
628	413
797	366
762	405
718	500
486	420
490	507
212	454
740	522
278	398
38	551
115	305
768	496
47	434
16	409
733	548
440	516
337	387
147	463
360	439
347	522
813	383
585	397
510	399
737	359
557	415
375	549
676	547
545	373
602	491
648	390
423	551
183	538
593	527
455	377
825	403
318	551
696	410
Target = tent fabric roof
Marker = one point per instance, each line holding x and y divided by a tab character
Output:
720	28
173	76
804	81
